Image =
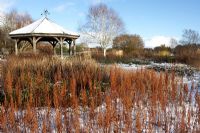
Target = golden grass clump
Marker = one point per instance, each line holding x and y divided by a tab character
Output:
45	94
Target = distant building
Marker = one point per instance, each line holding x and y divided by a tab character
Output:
119	53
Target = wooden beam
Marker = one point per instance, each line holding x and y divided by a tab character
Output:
16	47
61	47
44	35
56	38
34	41
38	38
53	43
70	47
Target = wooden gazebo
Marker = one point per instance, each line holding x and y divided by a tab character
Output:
45	30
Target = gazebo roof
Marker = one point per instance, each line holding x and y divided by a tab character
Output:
44	27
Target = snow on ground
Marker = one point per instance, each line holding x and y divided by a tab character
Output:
172	114
187	74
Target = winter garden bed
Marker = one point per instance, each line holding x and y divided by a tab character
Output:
80	95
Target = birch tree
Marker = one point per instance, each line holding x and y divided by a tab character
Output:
102	25
173	42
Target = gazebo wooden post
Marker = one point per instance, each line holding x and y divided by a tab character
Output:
34	45
70	47
16	47
61	47
54	47
54	50
74	47
53	43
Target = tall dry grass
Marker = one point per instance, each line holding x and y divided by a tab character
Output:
79	95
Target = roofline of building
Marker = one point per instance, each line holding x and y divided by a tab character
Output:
44	35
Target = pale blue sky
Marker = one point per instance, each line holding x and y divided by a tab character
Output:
156	21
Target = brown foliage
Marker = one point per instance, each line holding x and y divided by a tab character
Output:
83	96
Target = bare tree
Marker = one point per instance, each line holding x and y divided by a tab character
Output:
173	42
12	21
102	25
190	37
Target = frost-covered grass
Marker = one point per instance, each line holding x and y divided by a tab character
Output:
185	72
79	95
172	119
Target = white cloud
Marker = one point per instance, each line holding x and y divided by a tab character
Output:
157	41
63	6
5	4
59	8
